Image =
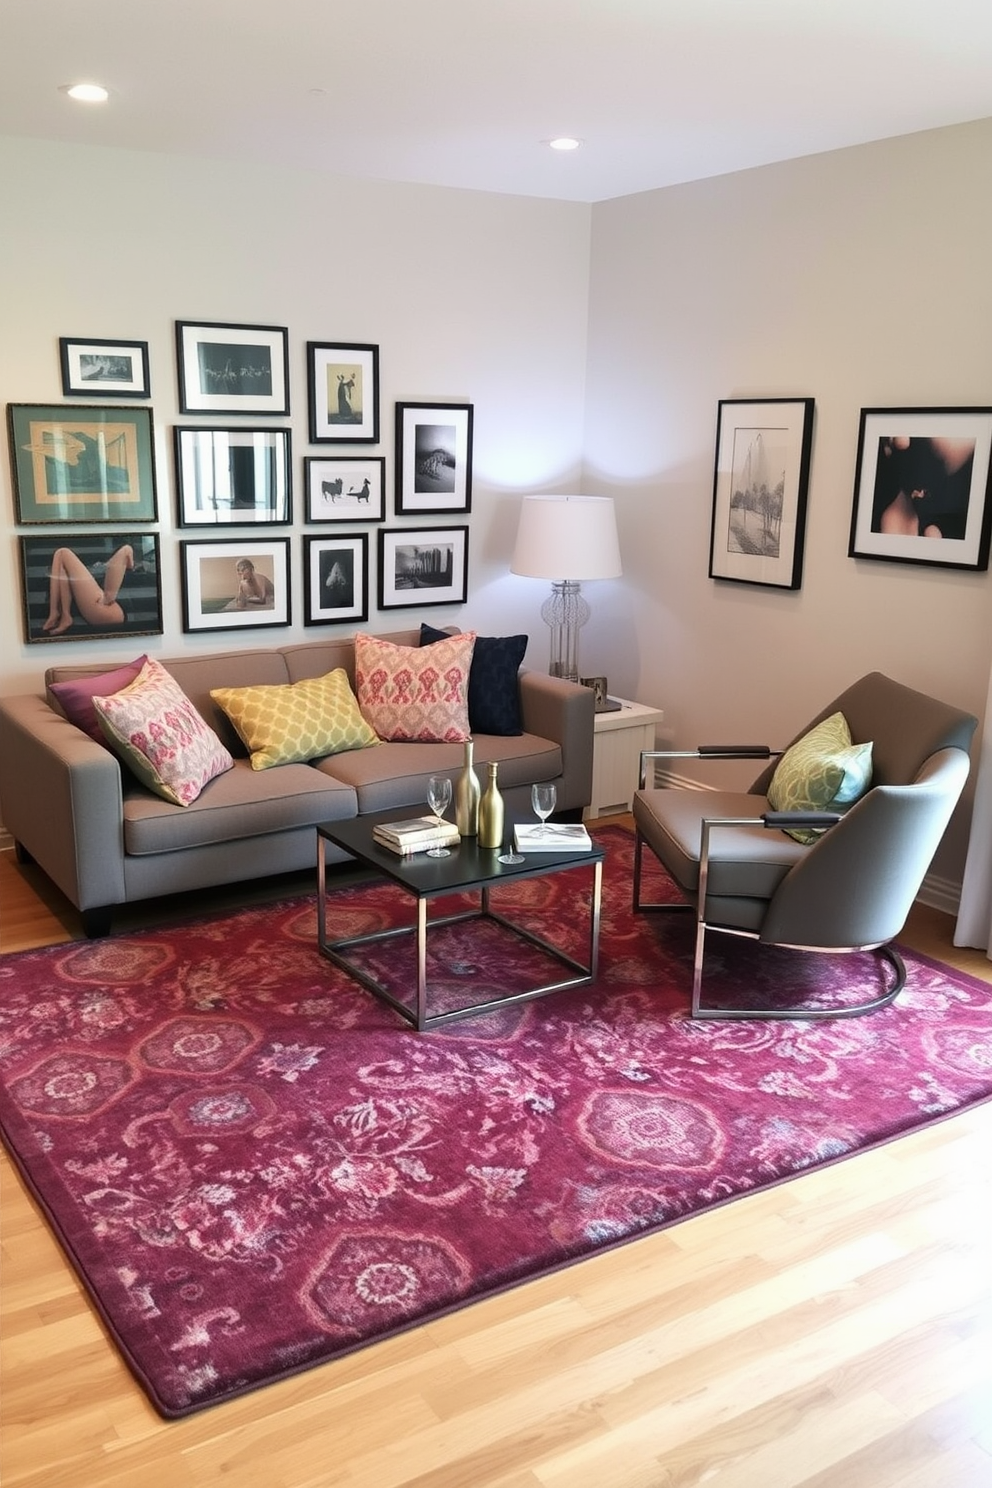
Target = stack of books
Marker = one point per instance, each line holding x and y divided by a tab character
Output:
415	835
551	837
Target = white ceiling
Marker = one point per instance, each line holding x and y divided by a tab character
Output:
463	92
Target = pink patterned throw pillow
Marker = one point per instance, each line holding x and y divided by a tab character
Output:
155	729
413	694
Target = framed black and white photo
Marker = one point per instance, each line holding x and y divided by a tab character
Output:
760	489
93	367
335	578
921	488
433	458
422	566
232	368
343	385
227	477
237	585
345	489
82	464
88	586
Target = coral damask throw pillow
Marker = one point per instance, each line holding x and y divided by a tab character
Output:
415	695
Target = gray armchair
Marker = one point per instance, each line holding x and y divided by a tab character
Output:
853	886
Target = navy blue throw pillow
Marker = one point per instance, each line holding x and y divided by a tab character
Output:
493	687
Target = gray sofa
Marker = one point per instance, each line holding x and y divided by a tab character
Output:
106	840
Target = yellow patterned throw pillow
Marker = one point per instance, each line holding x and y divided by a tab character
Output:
295	721
822	771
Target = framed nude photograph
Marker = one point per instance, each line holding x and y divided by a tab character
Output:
88	586
422	566
75	463
227	368
336	578
240	585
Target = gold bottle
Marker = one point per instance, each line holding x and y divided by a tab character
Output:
491	812
467	796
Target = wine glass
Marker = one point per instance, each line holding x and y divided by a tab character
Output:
439	799
543	798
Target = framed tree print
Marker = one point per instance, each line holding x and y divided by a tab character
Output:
93	367
232	368
345	489
86	586
74	463
343	386
422	566
335	578
230	477
921	488
760	486
433	457
238	585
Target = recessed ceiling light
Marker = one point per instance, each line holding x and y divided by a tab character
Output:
565	142
86	92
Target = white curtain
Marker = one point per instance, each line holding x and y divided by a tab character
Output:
974	923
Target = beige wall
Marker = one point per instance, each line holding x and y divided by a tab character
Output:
859	278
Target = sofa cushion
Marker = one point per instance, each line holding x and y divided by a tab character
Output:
822	771
155	729
296	721
415	694
493	680
75	696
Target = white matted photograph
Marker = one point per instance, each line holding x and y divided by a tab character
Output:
234	585
433	458
336	578
760	487
232	368
94	367
343	488
422	566
343	388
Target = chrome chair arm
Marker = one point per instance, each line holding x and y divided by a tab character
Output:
707	752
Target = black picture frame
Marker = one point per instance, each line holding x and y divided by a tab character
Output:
210	581
138	611
96	367
336	578
344	488
922	485
760	490
343	392
433	460
233	477
76	463
421	566
228	368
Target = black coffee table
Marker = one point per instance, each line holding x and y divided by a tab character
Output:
468	869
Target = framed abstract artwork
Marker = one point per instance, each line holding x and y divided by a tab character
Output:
422	566
343	488
343	386
87	586
760	488
921	487
74	463
238	585
93	367
232	368
336	578
433	457
228	477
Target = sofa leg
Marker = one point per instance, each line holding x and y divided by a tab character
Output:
96	922
21	854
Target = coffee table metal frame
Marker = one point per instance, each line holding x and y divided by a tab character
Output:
468	869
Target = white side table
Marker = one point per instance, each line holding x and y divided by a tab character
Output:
620	737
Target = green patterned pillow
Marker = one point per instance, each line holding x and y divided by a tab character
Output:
822	771
284	724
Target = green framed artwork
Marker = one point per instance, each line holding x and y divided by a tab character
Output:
82	464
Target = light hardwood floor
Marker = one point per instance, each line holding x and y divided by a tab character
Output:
835	1332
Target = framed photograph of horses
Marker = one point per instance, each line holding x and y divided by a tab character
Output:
342	488
433	458
343	386
233	477
760	486
336	578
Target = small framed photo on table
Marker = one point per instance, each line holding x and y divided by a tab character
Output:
232	368
336	578
422	566
234	585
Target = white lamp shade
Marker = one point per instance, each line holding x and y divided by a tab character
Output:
567	537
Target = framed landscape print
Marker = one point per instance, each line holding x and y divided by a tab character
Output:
82	464
87	586
921	487
422	566
335	578
96	368
343	385
343	489
228	477
760	487
234	585
433	457
232	368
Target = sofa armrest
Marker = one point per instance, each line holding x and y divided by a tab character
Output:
564	712
61	800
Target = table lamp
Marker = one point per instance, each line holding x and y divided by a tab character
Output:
566	539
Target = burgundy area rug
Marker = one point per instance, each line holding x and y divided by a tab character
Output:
256	1167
